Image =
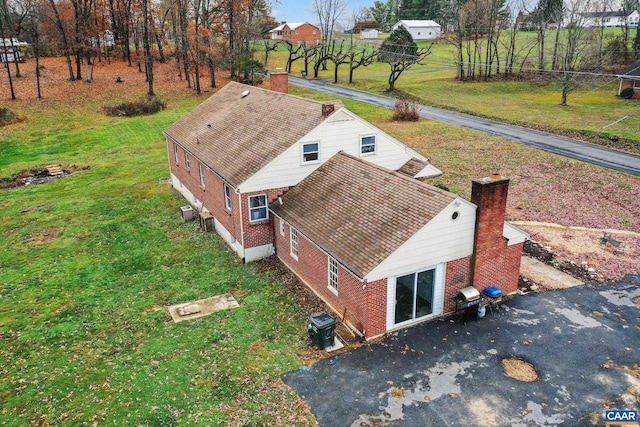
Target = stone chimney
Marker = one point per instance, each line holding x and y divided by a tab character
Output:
491	262
327	109
279	80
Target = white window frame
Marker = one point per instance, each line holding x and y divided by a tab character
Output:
187	160
175	153
258	208
202	175
362	145
293	242
636	84
227	197
332	275
281	227
302	153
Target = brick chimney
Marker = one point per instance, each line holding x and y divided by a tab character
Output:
491	262
279	81
327	109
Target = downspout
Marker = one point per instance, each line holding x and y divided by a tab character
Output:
241	223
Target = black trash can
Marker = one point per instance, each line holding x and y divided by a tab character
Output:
321	329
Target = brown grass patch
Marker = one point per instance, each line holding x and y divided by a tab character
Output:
519	369
44	236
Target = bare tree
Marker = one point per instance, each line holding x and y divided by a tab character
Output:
328	13
401	52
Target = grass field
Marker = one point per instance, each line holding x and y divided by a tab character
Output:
594	112
89	263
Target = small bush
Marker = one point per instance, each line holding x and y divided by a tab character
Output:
627	93
132	109
405	111
7	117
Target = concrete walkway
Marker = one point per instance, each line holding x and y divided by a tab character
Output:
546	275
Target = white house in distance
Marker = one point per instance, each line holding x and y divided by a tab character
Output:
616	18
369	34
421	29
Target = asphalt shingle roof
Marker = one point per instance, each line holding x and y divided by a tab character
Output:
237	135
633	71
358	212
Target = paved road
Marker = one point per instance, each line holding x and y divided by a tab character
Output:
582	342
611	159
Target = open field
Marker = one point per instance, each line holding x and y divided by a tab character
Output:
90	263
594	112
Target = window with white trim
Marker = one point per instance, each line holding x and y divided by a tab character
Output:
227	197
367	144
333	274
258	208
201	175
175	152
636	83
187	161
293	242
281	227
310	152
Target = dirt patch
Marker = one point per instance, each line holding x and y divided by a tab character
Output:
38	176
584	253
44	236
519	369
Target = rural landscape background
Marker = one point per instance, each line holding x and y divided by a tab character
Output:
90	263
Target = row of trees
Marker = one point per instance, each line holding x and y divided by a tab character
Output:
204	34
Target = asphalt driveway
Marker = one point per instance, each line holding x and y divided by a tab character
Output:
582	341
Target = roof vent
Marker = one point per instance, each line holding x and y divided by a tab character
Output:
245	93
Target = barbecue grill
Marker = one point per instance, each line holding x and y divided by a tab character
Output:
467	301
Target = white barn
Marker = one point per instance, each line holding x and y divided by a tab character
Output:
421	29
369	33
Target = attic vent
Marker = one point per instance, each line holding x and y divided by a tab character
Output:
245	93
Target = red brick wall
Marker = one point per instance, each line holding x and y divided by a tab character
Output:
457	276
303	33
493	263
279	81
212	195
364	309
259	233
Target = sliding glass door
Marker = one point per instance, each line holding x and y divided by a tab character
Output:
414	296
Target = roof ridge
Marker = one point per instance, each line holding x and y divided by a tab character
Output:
398	174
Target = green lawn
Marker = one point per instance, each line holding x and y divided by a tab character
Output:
88	266
594	111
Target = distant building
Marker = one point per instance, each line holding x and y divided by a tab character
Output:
297	33
616	18
10	50
369	33
421	30
631	78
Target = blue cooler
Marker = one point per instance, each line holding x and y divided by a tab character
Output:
493	292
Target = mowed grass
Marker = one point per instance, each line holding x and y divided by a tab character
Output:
594	112
89	265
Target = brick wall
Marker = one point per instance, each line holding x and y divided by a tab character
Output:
307	33
259	233
363	309
212	196
493	262
457	276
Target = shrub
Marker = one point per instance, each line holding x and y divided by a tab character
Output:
627	93
131	109
7	117
405	111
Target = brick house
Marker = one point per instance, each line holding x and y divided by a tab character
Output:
297	33
386	251
631	78
244	147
